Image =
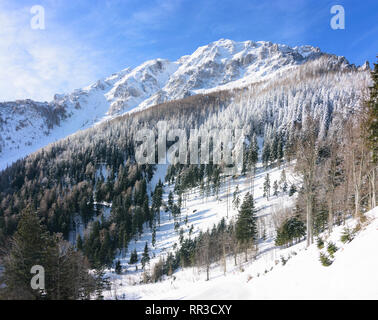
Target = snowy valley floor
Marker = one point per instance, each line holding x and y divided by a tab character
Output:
353	274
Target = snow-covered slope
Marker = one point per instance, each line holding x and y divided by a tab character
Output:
26	126
353	274
202	213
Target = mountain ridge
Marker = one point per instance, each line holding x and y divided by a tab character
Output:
27	125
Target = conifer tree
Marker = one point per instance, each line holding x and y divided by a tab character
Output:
157	199
133	257
273	155
236	198
79	242
266	153
283	177
118	267
153	235
275	188
372	115
284	187
145	256
102	282
293	189
29	248
202	189
253	153
370	130
267	186
252	160
246	224
170	200
66	273
280	151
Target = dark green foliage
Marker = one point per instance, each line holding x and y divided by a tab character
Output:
133	257
275	188
267	186
64	190
325	260
246	229
181	235
153	240
79	243
347	235
145	256
292	230
320	219
186	252
236	198
165	267
372	115
102	282
118	267
266	153
252	153
66	270
331	248
320	243
99	245
170	201
293	189
157	200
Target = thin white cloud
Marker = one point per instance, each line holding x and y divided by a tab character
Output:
36	64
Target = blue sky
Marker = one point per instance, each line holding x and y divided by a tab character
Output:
85	40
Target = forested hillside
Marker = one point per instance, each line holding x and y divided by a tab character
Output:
26	125
90	188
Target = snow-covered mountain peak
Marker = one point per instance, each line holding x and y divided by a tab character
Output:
139	84
221	65
227	64
365	66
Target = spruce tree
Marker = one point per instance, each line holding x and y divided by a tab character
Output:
280	152
267	186
170	200
246	224
29	248
79	242
273	155
154	235
253	153
66	275
102	282
118	267
293	189
145	256
275	188
266	153
157	199
284	187
283	177
372	115
133	257
236	198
